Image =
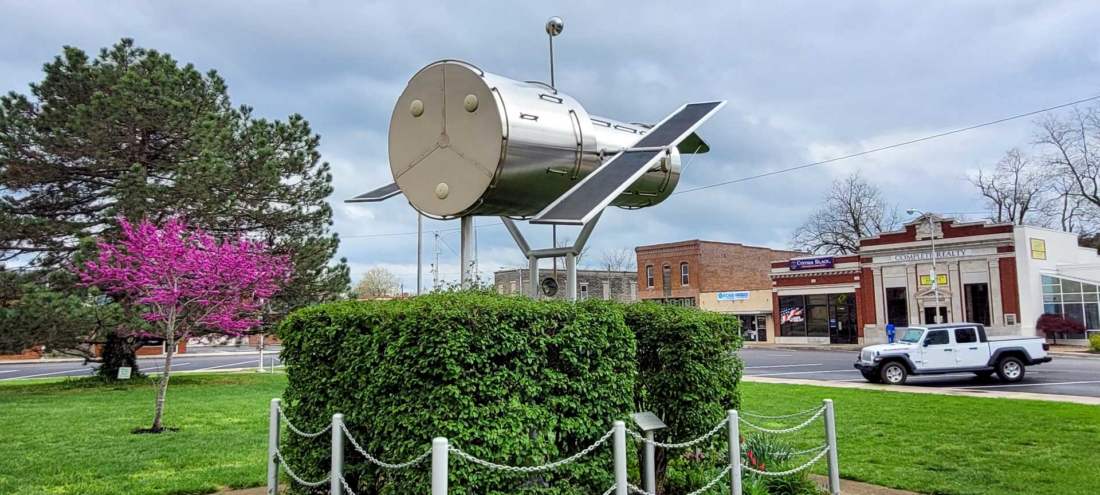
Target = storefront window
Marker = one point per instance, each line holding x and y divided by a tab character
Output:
897	307
818	315
792	316
1073	299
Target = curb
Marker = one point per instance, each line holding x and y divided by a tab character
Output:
988	394
161	356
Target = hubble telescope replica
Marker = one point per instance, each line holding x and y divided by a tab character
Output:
464	142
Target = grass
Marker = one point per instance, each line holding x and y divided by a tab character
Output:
74	437
950	445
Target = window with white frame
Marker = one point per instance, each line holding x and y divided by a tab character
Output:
649	276
684	274
584	290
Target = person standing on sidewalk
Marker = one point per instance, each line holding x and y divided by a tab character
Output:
890	332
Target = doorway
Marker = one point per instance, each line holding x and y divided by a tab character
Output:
842	319
976	298
930	315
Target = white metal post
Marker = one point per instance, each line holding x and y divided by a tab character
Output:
261	367
337	451
735	452
272	447
571	276
466	251
830	439
650	463
439	466
533	275
935	280
619	438
419	252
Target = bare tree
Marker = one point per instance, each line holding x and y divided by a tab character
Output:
1015	190
1073	142
377	283
568	241
852	209
1065	209
618	260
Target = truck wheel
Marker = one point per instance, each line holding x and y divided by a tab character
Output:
893	373
1010	369
871	376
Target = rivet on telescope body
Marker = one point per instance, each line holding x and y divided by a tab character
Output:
416	108
441	190
470	103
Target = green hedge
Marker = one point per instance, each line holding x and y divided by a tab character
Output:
507	379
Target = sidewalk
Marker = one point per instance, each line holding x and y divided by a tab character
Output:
203	353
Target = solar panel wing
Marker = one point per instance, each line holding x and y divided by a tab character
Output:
593	193
380	194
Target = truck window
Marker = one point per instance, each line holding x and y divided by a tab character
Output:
966	335
912	335
937	337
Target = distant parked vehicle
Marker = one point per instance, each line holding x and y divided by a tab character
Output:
951	348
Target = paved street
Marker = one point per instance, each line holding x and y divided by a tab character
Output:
182	362
1063	376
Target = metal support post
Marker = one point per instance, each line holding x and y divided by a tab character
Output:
650	463
261	367
439	466
735	452
571	276
337	452
830	439
272	447
419	252
533	275
466	255
619	438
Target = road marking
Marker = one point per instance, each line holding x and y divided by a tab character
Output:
1032	384
803	372
253	361
8	371
780	355
782	366
151	368
48	374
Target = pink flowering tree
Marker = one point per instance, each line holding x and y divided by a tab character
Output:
186	283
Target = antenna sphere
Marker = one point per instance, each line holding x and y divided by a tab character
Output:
554	26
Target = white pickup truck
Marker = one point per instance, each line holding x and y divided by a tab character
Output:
950	348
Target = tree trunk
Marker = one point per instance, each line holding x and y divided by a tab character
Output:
162	385
118	352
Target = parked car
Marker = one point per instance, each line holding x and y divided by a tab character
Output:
951	348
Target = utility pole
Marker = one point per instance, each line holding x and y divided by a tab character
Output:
419	250
435	266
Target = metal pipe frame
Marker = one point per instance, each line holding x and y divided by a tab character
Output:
570	253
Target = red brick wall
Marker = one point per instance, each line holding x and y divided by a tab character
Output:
712	267
865	300
33	353
819	279
1010	293
950	231
672	255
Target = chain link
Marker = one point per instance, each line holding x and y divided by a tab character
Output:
786	430
807	451
417	460
609	490
282	416
347	487
532	469
784	416
681	445
789	471
293	475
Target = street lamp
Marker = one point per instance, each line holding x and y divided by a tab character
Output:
932	272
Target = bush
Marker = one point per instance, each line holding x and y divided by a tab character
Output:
1054	324
506	379
688	371
1094	342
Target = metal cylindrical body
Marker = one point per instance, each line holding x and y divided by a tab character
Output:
619	443
272	447
439	466
466	142
830	439
650	464
735	452
337	453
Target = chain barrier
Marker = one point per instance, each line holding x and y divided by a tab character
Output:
783	416
374	460
680	445
706	487
786	430
532	469
789	471
299	432
609	490
807	451
295	477
347	487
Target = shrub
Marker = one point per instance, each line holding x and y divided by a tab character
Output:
506	379
1054	324
688	371
1094	342
765	452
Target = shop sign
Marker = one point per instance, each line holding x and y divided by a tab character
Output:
941	254
812	263
739	295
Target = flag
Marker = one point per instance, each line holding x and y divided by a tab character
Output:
790	315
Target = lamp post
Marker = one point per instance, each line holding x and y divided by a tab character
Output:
932	272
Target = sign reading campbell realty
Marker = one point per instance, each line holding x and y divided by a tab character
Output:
812	263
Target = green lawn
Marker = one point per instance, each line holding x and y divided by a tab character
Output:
951	445
73	438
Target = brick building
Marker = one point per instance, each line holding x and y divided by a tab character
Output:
716	276
599	284
1000	275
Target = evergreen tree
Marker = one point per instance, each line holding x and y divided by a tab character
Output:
132	133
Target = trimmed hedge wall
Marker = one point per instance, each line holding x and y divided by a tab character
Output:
507	379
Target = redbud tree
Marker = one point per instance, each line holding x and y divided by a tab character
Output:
186	283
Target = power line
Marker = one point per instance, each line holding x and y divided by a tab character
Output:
398	234
887	147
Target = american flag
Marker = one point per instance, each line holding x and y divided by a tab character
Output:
790	315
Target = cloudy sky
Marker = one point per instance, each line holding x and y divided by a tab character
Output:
805	81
